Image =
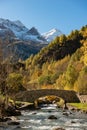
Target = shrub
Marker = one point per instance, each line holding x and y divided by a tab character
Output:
14	82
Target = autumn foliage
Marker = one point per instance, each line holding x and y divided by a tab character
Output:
60	65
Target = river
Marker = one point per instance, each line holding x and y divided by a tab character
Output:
38	120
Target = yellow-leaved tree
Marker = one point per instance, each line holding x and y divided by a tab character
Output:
81	83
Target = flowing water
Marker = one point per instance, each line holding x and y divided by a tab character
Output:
38	120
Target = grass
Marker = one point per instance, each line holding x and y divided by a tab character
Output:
82	106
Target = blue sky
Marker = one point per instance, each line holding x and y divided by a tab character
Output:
65	15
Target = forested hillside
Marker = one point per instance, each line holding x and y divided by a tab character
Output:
60	65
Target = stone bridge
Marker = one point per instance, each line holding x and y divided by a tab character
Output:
31	96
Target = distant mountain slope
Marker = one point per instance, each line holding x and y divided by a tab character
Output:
21	50
23	33
20	31
20	42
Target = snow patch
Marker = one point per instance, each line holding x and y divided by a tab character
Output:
49	36
18	23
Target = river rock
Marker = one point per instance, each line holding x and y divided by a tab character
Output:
65	107
58	129
27	106
73	109
11	112
34	113
13	123
78	109
4	119
73	122
84	111
49	111
13	118
58	106
52	117
65	113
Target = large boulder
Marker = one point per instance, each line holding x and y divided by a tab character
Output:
13	123
58	129
11	111
5	119
27	106
52	117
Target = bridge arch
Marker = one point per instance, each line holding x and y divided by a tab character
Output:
48	99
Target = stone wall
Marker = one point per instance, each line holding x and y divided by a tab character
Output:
82	98
31	96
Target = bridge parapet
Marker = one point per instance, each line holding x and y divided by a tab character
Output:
31	96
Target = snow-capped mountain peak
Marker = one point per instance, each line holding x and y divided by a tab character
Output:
51	32
18	23
3	20
49	36
33	31
21	32
15	26
10	23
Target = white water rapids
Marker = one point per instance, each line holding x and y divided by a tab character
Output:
38	120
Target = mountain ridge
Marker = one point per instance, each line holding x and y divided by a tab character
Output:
19	42
23	33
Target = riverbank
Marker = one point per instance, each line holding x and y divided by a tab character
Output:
82	106
48	117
